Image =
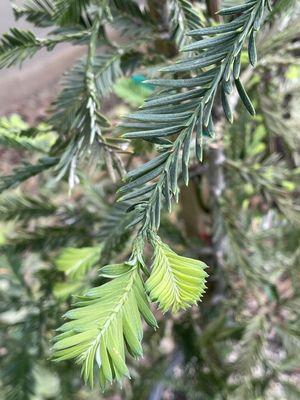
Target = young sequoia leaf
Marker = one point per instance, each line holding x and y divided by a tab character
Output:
175	282
76	262
105	321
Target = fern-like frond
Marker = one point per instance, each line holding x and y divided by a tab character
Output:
183	18
21	143
131	21
175	282
273	179
252	343
24	207
76	262
106	320
39	12
130	9
19	45
77	110
50	238
26	171
17	377
113	231
183	112
70	107
16	46
69	11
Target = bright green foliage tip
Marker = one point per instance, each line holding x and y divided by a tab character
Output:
102	321
107	320
176	282
76	262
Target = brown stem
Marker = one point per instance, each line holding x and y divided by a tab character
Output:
212	8
159	13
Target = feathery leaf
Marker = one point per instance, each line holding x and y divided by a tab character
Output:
25	207
106	320
183	18
184	109
175	282
39	12
76	262
26	171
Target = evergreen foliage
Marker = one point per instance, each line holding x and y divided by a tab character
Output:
175	282
249	172
76	262
101	324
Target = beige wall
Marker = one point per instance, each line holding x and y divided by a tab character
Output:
30	87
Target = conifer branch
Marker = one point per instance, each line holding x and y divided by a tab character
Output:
26	171
19	45
184	115
39	12
183	18
100	328
24	207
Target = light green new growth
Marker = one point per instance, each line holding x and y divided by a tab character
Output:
105	321
175	282
108	319
76	262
